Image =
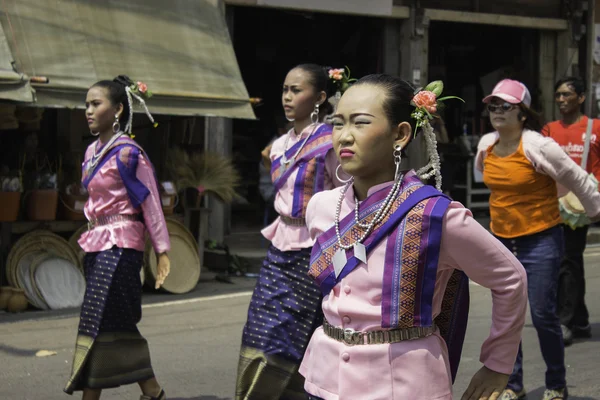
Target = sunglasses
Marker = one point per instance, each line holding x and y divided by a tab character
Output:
504	107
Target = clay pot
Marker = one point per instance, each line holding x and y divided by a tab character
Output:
5	294
11	201
17	302
42	205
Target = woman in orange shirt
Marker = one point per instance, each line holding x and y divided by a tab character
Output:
521	168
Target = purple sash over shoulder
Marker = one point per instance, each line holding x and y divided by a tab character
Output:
127	150
413	231
310	164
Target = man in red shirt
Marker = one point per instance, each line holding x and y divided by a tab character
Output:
569	132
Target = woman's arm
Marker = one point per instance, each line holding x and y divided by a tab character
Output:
467	246
139	179
550	159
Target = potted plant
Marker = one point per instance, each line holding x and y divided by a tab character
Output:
42	199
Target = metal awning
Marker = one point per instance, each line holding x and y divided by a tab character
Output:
13	86
180	48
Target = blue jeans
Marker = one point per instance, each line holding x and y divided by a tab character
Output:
541	255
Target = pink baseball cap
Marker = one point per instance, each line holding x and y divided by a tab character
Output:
510	91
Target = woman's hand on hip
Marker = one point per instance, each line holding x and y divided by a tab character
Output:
163	269
486	385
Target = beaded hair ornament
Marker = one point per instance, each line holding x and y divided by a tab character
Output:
427	102
139	91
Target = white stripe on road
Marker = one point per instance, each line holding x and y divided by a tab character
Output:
198	300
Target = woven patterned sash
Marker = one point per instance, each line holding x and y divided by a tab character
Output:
310	164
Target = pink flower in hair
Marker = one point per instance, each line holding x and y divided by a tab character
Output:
427	100
200	189
142	87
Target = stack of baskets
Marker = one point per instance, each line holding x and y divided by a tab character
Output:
47	269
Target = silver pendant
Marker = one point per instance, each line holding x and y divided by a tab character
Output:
339	261
360	252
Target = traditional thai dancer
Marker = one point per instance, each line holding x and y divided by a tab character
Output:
522	168
285	306
123	205
392	257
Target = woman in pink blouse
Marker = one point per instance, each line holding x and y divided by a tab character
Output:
391	258
123	205
284	310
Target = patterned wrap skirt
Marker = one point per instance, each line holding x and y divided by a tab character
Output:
284	312
110	351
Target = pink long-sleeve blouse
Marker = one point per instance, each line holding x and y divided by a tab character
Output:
416	369
285	237
124	183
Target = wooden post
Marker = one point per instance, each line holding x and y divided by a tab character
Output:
391	47
547	72
219	139
414	36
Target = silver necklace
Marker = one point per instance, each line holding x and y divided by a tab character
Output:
339	258
284	159
97	157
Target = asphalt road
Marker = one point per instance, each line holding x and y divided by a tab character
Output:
194	341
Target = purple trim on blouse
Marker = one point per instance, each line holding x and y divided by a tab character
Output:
127	163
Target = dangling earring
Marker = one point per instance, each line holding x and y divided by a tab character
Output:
116	125
337	175
397	160
94	133
314	116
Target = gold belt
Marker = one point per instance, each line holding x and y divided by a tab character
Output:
352	337
292	221
109	219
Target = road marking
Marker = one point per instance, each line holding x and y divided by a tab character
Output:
197	300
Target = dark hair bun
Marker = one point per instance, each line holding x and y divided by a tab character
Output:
123	80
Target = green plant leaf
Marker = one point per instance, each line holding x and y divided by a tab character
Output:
437	87
450	97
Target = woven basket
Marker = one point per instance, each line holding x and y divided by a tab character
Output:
26	282
185	261
57	281
38	240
